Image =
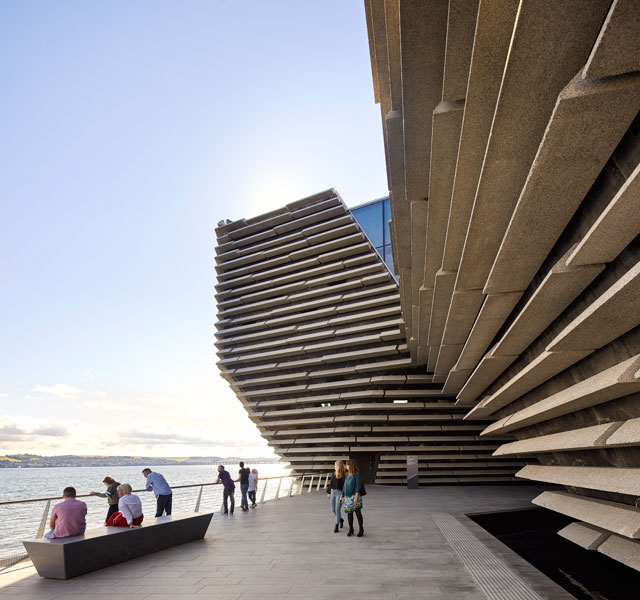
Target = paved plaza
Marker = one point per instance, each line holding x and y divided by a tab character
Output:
417	545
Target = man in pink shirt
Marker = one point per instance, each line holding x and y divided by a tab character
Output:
68	517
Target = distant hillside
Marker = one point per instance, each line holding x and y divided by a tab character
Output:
15	461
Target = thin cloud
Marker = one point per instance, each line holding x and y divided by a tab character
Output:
183	436
51	431
66	391
146	438
16	431
108	405
171	425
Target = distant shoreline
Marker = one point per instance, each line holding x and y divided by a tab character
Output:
30	461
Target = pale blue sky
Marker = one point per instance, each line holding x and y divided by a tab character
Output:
127	131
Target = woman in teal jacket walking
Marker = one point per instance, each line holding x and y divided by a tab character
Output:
352	496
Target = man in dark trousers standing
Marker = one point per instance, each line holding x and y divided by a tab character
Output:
158	484
229	487
243	478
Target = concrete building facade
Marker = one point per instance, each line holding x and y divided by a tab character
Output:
507	345
512	139
312	340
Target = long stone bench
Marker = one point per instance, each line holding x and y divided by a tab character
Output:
64	558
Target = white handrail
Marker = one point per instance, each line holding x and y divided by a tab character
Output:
4	562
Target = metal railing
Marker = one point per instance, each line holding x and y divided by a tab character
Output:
297	482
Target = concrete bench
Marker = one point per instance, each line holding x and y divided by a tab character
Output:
64	558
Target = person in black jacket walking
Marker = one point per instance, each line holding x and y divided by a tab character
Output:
334	491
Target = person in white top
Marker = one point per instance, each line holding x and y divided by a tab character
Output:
129	509
253	487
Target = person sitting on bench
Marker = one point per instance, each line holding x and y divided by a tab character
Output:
69	517
129	509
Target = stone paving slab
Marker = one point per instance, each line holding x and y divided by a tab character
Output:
287	549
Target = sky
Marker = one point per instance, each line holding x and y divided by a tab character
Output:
127	131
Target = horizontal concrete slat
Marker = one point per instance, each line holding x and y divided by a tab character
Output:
619	518
612	479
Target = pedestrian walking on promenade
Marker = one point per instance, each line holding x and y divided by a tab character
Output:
253	487
334	492
243	478
158	484
351	498
111	494
228	488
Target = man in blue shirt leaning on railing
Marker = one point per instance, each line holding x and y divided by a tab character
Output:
158	484
225	479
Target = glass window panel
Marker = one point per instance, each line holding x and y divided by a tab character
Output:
370	219
388	258
386	217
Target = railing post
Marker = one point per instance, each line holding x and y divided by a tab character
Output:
319	482
197	508
291	486
301	485
310	484
278	490
222	498
43	522
326	479
264	489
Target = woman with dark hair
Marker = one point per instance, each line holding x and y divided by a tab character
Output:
111	494
352	496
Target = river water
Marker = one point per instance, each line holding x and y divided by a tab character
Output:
21	521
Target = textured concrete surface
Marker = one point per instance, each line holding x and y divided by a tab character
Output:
494	29
558	178
610	316
575	439
619	480
487	371
587	536
550	298
622	549
540	62
324	347
615	382
539	183
287	549
424	28
495	309
616	50
620	518
615	228
627	435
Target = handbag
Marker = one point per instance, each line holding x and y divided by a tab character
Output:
349	505
363	491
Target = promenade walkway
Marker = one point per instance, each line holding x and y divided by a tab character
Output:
417	545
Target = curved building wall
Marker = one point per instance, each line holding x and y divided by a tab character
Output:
512	140
312	340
